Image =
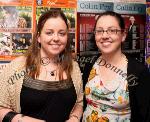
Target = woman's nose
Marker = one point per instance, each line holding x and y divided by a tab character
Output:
105	35
55	36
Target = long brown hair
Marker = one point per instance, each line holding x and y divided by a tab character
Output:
33	55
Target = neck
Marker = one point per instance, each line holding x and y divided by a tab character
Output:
112	58
52	58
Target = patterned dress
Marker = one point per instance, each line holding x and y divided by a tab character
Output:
106	102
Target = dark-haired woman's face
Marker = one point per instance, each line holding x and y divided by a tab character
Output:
108	34
53	37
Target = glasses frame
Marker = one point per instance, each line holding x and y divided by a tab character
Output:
109	31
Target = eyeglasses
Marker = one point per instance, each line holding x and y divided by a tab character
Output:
109	31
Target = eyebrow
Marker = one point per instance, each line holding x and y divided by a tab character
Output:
110	27
58	30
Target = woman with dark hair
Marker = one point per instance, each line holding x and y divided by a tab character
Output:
116	85
46	83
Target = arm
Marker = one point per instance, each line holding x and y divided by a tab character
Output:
144	100
77	110
7	94
139	97
18	117
76	114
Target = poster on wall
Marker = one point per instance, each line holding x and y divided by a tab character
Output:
10	2
131	1
134	16
147	39
57	3
20	42
18	19
88	11
15	18
16	27
16	2
122	1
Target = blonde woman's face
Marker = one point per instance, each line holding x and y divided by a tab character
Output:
53	37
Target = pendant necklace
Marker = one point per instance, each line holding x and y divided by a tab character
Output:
52	73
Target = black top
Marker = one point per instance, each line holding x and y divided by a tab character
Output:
46	100
138	78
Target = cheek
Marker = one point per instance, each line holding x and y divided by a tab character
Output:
64	40
96	38
116	39
64	45
120	39
42	39
98	44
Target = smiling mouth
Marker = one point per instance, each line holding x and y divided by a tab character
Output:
106	43
55	45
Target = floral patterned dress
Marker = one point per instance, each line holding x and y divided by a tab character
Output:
106	102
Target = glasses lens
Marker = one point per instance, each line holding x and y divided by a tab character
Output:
109	31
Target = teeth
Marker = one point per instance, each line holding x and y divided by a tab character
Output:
106	43
55	46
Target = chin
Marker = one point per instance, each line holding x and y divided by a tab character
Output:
54	54
106	52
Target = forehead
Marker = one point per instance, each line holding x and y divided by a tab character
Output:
107	21
55	22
